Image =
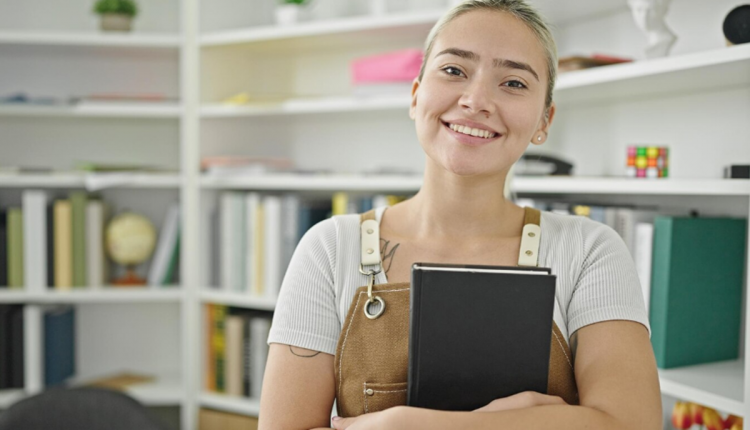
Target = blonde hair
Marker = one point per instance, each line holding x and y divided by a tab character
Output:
518	8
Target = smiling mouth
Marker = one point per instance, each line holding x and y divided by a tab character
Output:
475	132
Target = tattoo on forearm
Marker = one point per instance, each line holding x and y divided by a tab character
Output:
388	255
291	349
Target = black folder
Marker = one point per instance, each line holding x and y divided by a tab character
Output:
477	333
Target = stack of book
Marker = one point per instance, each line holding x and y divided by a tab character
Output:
237	350
59	243
256	235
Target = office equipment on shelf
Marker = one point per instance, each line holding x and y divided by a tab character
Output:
542	165
696	289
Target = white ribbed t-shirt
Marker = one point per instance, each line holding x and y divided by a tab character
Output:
596	279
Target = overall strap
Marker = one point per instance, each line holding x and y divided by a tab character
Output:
532	232
370	239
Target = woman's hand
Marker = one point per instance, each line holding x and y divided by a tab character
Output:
387	419
527	399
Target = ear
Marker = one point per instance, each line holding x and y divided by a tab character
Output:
413	106
546	124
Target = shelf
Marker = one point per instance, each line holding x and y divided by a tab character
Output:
237	300
315	183
309	106
639	186
94	110
701	71
319	34
104	295
717	385
237	405
397	26
166	391
85	180
522	185
112	40
8	397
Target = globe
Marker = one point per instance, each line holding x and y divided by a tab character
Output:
130	239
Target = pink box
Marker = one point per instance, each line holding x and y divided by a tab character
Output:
397	66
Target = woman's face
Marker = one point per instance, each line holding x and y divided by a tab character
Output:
486	76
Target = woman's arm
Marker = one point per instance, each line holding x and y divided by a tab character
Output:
298	389
618	386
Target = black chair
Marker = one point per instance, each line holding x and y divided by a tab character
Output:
78	409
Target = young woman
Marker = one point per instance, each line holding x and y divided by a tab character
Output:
484	93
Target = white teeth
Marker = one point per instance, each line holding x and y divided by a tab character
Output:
471	131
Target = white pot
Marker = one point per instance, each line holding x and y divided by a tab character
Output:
116	22
288	14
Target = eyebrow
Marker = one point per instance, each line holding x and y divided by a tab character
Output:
497	62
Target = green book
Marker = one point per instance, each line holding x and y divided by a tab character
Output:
15	248
169	277
78	202
696	289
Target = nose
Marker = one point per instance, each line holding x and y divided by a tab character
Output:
476	98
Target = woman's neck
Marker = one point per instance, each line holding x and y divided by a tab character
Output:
452	207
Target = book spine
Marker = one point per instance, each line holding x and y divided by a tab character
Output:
290	227
164	248
210	363
340	204
660	280
226	241
95	243
3	250
644	242
219	345
252	201
238	246
234	363
260	327
35	240
246	357
78	201
258	246
16	346
59	350
5	346
272	245
63	246
15	248
50	250
174	262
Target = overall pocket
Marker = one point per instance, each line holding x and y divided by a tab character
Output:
379	397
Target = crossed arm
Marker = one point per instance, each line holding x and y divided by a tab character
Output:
614	366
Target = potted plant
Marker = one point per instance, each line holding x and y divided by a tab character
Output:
290	11
116	15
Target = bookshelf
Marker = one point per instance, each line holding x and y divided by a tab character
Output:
694	101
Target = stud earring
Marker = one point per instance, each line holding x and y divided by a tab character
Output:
539	138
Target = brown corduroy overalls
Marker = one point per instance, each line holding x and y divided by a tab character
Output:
372	353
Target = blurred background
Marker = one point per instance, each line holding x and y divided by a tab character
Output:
160	160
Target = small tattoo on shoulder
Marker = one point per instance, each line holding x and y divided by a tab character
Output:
387	254
291	349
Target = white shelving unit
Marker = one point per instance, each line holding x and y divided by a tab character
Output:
695	101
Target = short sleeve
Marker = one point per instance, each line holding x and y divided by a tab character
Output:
305	314
608	287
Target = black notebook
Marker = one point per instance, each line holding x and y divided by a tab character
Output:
477	333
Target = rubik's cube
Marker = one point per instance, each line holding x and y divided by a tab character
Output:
647	162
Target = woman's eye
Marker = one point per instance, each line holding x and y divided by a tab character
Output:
515	84
453	71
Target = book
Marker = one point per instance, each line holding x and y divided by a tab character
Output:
34	204
233	371
5	346
59	345
644	243
16	347
165	248
15	248
258	277
219	346
209	363
697	289
50	245
271	245
97	273
233	243
63	241
340	204
252	228
290	208
259	330
78	202
3	249
496	342
209	419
